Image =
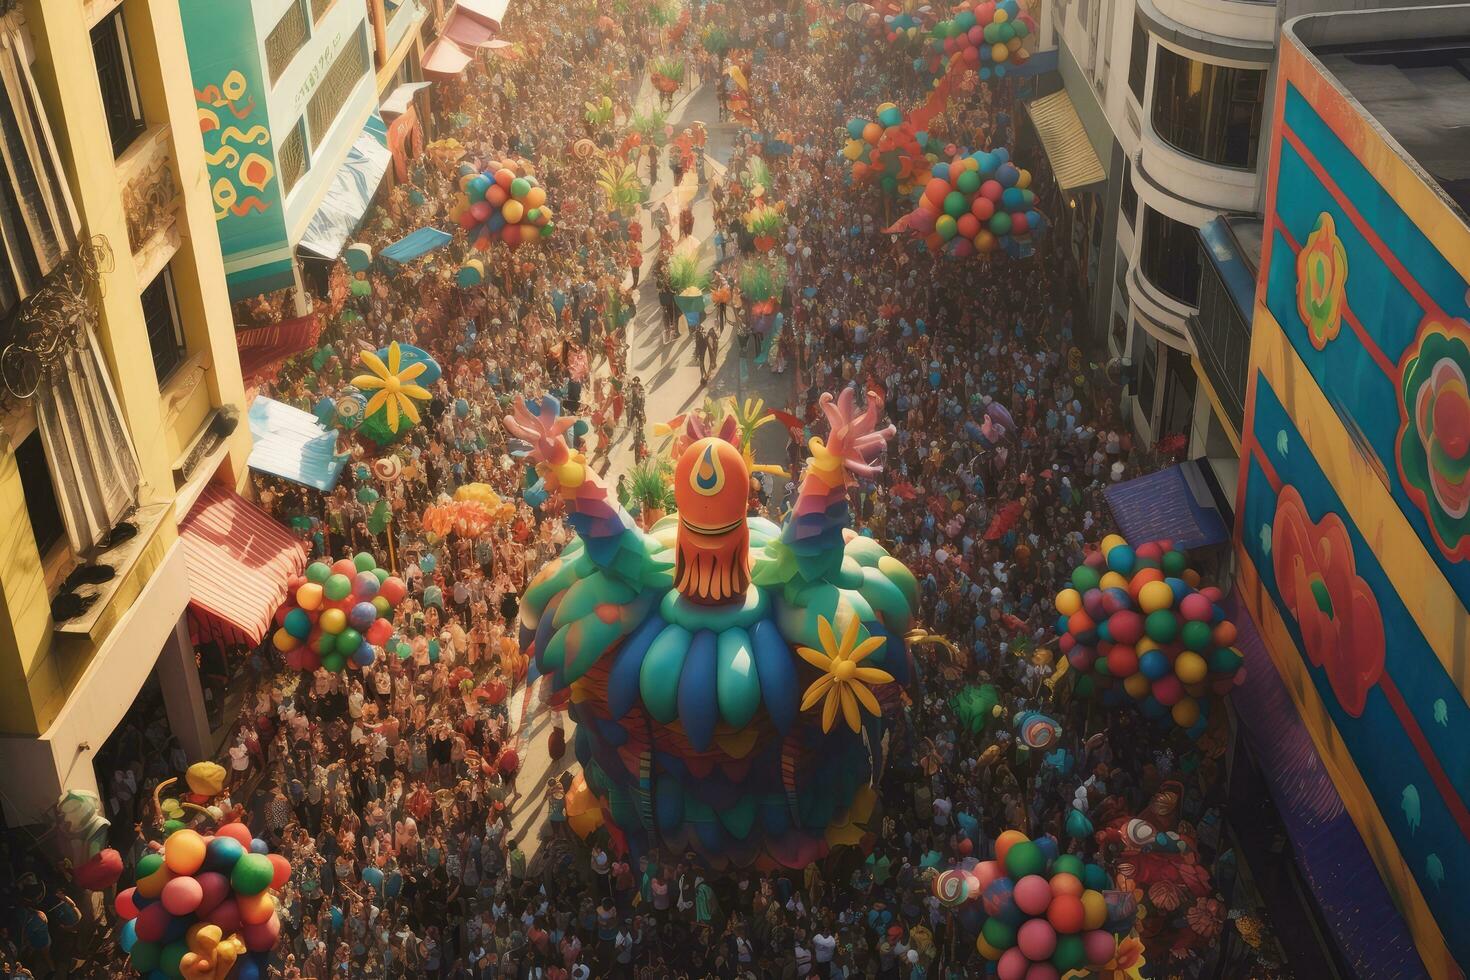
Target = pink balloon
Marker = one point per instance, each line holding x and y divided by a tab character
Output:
1098	946
215	888
976	34
922	221
1033	896
1037	939
988	871
182	895
1167	690
1195	607
1042	971
1012	965
153	922
262	938
226	915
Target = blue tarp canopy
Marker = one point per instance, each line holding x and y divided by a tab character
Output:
350	193
292	444
1235	268
1174	503
415	244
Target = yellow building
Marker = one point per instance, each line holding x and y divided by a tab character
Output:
118	354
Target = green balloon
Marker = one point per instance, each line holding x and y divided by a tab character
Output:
337	587
1005	32
1020	28
171	955
1196	636
1100	667
404	651
1161	626
533	214
252	874
147	864
364	562
171	827
968	182
1096	878
1024	859
1069	954
318	572
998	934
955	204
547	229
333	661
520	187
327	643
1224	661
1175	563
383	606
1085	686
382	575
992	33
1000	223
144	956
1084	578
348	641
1068	863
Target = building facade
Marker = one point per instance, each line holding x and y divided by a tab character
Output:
1351	531
118	355
287	95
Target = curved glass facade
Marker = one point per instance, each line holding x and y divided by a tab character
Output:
1209	112
1168	257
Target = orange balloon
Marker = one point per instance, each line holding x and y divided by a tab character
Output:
503	177
872	131
1004	843
496	195
535	197
1064	883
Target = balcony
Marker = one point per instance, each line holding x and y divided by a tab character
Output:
150	194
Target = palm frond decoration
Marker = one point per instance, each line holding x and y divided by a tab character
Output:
670	67
651	126
619	183
756	177
651	484
715	39
763	278
685	273
765	220
599	111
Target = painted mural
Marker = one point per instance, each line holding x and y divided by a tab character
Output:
1353	512
230	100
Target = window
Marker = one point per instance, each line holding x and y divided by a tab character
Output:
350	68
40	494
285	39
1138	60
37	222
1169	256
165	332
1209	112
1177	417
1129	201
115	76
1223	338
292	157
1146	361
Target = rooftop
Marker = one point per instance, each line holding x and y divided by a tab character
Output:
1419	91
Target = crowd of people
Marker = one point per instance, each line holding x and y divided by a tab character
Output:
397	791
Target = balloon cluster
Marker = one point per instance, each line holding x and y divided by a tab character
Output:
1138	616
339	613
202	906
890	151
983	36
1045	913
896	22
502	203
978	202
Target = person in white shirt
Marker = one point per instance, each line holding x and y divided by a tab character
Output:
824	947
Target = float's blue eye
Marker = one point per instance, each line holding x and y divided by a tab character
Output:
708	477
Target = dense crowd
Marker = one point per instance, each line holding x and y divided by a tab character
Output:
396	791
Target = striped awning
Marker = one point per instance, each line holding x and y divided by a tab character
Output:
1074	162
239	562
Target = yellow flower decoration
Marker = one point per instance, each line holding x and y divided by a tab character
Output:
844	683
391	381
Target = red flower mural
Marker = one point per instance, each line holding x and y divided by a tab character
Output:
1337	613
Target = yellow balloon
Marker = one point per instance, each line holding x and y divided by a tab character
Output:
1155	596
1094	909
284	641
1191	667
999	51
1112	540
1185	712
183	852
1068	601
1023	181
333	621
512	211
1014	44
309	596
1145	645
1113	580
986	950
1136	685
1001	17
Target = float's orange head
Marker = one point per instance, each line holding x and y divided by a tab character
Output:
711	490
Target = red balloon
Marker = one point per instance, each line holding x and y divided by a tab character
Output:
511	235
982	208
182	895
393	589
1122	661
972	56
936	189
226	915
262	938
101	871
344	566
1126	627
991	190
1167	690
965	846
1012	964
1066	914
237	831
215	888
123	904
1019	224
969	225
1037	939
281	866
153	922
509	761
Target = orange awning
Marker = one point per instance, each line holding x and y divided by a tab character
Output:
239	562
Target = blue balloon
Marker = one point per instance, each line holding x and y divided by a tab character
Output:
258	846
427	564
1120	559
298	624
127	936
496	222
220	855
1153	664
362	615
855	127
461	408
941	170
364	654
374	877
